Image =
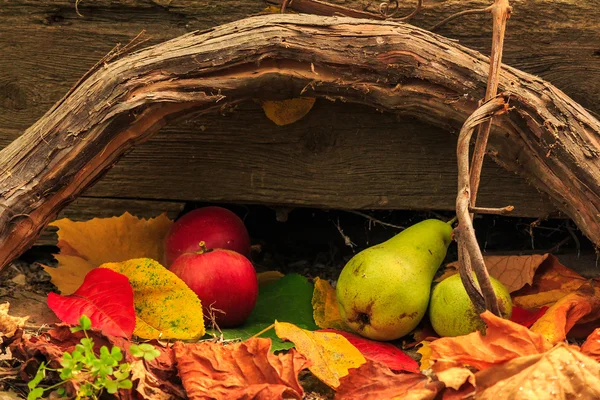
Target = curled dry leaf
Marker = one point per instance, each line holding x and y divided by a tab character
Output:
383	352
165	307
455	377
552	282
285	112
504	340
331	354
265	278
374	380
246	370
526	317
325	307
513	271
579	306
561	373
86	245
8	323
591	346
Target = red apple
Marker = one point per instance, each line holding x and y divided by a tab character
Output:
222	279
218	227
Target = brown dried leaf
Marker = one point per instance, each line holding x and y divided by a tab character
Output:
582	305
285	112
10	324
513	271
245	370
552	282
561	373
503	341
374	380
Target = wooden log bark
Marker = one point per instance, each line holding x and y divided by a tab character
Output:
547	137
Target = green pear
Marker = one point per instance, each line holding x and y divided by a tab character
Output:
383	291
451	311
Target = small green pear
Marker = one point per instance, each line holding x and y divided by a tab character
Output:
383	291
451	311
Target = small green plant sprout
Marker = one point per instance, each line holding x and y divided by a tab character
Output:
92	373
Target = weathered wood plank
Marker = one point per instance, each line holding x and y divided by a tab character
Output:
417	171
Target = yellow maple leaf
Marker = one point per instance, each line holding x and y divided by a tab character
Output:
325	307
425	352
86	245
285	112
165	307
331	354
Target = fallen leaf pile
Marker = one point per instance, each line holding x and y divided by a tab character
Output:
296	326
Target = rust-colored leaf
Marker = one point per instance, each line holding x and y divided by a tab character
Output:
325	307
513	271
591	346
552	282
582	305
526	317
86	245
503	341
425	352
8	323
373	380
331	354
246	370
561	373
285	112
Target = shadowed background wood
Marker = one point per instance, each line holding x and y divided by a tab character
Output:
339	156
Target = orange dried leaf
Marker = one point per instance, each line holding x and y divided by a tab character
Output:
591	346
331	354
566	312
552	282
561	373
513	271
86	245
373	380
285	112
325	307
503	341
246	370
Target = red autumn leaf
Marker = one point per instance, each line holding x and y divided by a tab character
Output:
384	353
246	370
105	297
526	317
373	380
503	341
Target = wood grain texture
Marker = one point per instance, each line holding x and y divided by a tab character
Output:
558	40
547	138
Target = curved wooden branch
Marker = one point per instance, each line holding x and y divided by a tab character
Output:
547	138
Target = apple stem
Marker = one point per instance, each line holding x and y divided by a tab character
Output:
203	248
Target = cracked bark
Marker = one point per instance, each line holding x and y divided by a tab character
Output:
547	137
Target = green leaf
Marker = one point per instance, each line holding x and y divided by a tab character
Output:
35	394
41	374
111	386
85	323
125	384
116	354
288	299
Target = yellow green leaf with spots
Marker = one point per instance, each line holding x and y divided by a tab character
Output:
165	307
